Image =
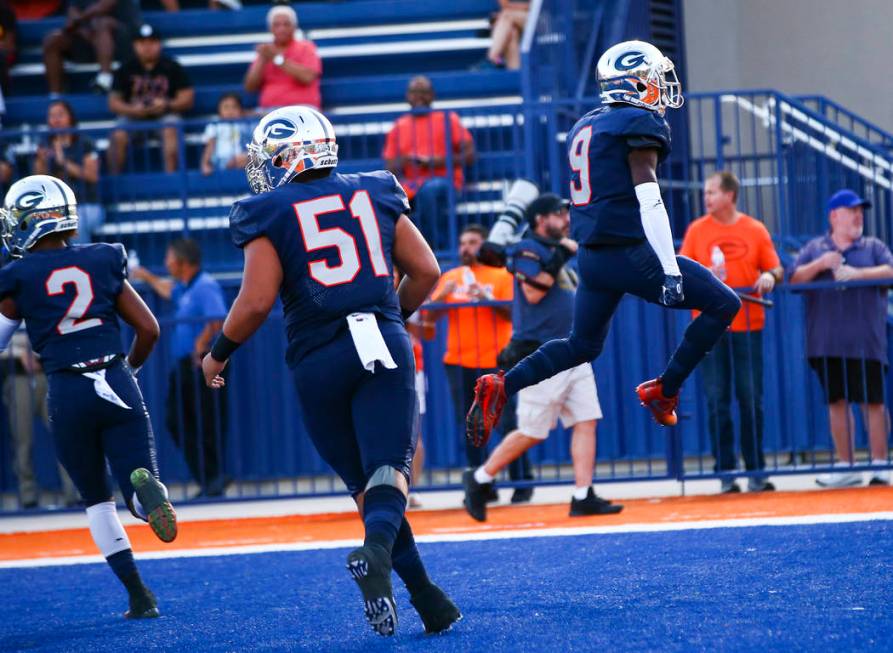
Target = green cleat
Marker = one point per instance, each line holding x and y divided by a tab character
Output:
143	605
159	511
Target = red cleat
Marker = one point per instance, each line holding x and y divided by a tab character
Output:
489	400
663	409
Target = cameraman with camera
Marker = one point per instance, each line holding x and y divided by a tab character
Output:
543	310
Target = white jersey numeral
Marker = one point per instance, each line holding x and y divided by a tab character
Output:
83	297
315	238
581	193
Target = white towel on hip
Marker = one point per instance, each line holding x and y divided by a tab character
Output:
369	342
103	389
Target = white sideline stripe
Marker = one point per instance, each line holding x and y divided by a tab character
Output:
325	52
477	536
330	33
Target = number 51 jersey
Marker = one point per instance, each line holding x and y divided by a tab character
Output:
67	297
334	238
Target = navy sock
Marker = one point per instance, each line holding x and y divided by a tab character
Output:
553	357
124	566
383	508
698	339
407	562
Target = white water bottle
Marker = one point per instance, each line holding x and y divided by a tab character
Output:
718	263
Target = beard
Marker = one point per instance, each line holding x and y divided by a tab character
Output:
467	258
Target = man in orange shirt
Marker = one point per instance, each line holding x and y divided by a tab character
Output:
738	250
416	151
476	335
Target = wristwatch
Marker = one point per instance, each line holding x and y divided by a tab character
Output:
279	59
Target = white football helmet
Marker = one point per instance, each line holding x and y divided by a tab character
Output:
637	73
35	207
288	142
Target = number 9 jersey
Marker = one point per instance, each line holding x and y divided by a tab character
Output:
67	298
334	238
604	207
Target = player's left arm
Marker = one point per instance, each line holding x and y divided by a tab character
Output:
133	310
261	280
655	221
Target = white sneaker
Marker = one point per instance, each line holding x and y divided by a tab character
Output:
415	501
880	476
839	479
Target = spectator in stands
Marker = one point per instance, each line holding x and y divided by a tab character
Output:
149	87
475	337
543	310
95	30
416	151
72	157
7	45
738	250
225	139
846	330
174	5
508	27
286	71
196	415
25	397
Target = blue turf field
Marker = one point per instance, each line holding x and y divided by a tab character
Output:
818	588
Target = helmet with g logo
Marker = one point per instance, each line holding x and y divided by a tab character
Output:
637	73
35	207
288	142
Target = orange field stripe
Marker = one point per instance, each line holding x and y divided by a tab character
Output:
218	533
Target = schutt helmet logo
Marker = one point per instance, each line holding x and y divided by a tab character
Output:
630	60
280	129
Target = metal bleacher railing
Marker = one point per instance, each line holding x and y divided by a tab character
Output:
789	156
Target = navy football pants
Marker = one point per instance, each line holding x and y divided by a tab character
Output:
607	273
88	430
360	421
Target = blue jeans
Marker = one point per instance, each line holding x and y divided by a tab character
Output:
431	211
737	359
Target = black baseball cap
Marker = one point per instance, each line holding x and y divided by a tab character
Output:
545	203
146	31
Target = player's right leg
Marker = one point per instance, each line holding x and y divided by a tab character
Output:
73	418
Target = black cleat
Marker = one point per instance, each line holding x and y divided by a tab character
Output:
522	495
475	496
492	494
370	567
437	610
593	505
159	511
142	606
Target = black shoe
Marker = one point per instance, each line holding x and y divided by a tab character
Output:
370	566
142	606
522	495
492	494
437	610
760	485
475	496
593	505
729	486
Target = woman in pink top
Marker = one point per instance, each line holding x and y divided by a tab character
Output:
285	71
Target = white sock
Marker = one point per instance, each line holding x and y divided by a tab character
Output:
581	492
106	528
481	475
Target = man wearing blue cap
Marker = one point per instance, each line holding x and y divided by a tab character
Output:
846	337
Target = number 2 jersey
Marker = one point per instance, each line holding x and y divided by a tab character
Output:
67	297
604	207
334	238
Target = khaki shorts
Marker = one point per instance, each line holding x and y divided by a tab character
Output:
570	395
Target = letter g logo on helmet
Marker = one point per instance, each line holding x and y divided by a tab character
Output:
630	60
30	199
280	129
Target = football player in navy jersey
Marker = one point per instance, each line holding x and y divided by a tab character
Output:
71	297
626	246
326	244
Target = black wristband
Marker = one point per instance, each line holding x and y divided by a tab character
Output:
405	314
223	348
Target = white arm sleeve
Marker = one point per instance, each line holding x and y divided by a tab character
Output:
7	328
656	224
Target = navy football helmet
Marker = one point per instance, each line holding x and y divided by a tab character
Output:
35	207
637	73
